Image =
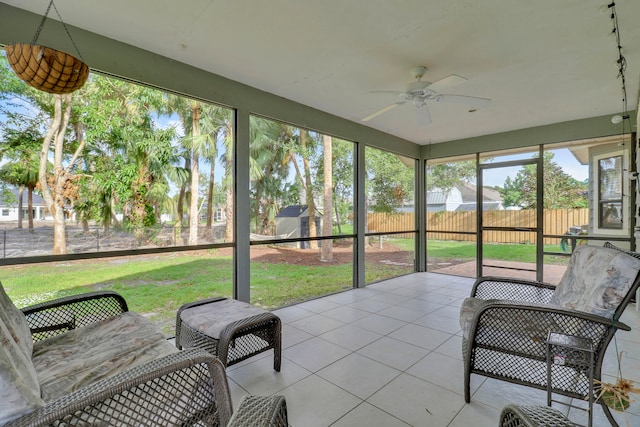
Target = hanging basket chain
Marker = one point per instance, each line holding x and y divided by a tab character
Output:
64	25
42	21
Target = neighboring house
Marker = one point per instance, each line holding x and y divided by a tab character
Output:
9	209
293	221
463	198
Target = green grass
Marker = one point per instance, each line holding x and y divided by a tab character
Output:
157	285
439	250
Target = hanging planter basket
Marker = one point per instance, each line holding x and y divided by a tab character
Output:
47	69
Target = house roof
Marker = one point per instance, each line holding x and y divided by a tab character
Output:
36	198
488	194
541	63
436	198
468	194
292	211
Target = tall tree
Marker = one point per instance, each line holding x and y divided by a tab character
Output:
327	220
20	151
59	188
446	176
201	126
561	191
390	182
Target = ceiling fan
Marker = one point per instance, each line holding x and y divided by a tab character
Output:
419	92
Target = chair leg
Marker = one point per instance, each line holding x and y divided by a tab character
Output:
467	386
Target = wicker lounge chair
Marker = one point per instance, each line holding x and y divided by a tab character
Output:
506	321
158	385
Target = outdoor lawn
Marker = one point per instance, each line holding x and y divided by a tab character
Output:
438	250
157	285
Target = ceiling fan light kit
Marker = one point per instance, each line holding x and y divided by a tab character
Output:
419	92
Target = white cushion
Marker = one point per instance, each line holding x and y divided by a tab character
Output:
19	387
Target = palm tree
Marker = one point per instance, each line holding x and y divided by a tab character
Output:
201	126
20	150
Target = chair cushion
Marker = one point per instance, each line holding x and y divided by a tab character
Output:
19	388
597	280
69	361
212	318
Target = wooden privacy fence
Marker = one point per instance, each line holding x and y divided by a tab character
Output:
556	221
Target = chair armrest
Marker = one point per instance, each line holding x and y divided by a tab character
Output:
520	327
183	388
512	289
57	316
260	411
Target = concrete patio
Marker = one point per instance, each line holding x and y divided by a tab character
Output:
390	355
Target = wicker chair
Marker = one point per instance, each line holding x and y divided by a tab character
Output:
533	416
508	321
182	388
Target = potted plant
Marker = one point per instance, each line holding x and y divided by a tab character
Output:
615	396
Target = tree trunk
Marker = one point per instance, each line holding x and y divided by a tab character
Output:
311	206
195	175
20	214
52	195
210	210
30	207
327	220
228	185
182	195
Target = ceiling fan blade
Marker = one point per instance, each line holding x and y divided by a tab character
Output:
470	101
424	117
446	82
382	111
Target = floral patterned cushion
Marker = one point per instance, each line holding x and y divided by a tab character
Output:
69	361
596	280
19	388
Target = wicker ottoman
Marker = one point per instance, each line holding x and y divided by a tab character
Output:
230	329
533	416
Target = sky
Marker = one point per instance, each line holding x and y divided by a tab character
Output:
563	157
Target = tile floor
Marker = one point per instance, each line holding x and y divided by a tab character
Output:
390	355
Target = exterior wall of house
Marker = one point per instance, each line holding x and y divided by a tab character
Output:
9	213
454	199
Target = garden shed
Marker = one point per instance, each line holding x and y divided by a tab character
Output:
293	222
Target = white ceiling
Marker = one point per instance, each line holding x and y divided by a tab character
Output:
541	62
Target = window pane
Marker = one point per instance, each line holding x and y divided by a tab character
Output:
610	178
141	168
451	215
388	256
302	187
455	255
390	201
286	274
153	285
301	183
